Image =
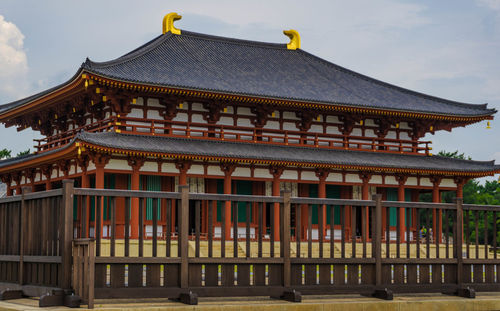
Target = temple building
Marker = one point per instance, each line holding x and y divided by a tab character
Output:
234	116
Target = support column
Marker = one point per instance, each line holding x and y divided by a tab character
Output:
17	178
436	198
83	162
47	172
228	169
365	195
100	161
183	167
276	171
322	174
135	163
401	179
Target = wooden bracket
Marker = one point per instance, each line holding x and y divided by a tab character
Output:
466	292
383	293
189	298
292	296
60	298
8	294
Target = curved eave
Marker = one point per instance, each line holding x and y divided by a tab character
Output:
128	152
340	107
44	97
68	151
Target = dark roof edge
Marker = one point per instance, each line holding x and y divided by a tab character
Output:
399	88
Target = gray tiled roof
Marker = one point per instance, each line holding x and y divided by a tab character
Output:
254	151
209	63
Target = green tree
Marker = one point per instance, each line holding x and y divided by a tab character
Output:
23	153
5	154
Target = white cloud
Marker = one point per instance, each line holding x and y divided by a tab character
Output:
13	60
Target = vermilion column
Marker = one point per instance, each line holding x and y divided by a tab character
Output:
83	162
100	161
276	171
401	197
322	174
436	198
135	163
47	172
228	169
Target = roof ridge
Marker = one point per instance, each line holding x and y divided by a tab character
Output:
396	87
262	44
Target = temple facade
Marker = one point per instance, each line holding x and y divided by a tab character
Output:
237	117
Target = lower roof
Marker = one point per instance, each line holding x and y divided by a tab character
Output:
267	152
252	152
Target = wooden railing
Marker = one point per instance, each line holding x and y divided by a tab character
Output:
198	253
216	245
271	136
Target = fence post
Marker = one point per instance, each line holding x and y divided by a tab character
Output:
183	213
378	239
461	291
66	233
22	213
285	223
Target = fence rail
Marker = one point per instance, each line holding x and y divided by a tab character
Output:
122	244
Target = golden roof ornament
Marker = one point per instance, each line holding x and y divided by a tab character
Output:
168	23
294	39
488	125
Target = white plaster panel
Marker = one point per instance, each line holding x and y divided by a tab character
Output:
262	173
332	119
376	179
23	180
38	177
290	174
404	135
333	130
245	111
447	182
404	126
197	107
196	169
289	126
391	134
214	171
244	122
226	121
334	177
290	115
242	172
154	114
149	166
197	118
411	181
169	168
139	101
370	122
115	164
136	113
352	178
370	133
78	169
91	166
356	132
308	175
426	182
391	180
54	173
181	117
275	125
154	102
316	128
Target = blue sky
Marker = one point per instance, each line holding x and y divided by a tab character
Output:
448	49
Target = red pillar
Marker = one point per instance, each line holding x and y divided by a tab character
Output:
228	169
135	163
276	171
86	184
304	213
365	195
322	174
47	172
401	197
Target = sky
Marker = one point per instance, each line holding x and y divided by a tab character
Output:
445	48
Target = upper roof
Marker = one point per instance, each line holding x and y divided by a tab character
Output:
202	62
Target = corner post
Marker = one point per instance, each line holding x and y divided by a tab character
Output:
66	233
183	215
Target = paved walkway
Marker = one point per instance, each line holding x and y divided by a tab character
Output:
434	302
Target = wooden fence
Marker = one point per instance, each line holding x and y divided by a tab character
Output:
188	256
